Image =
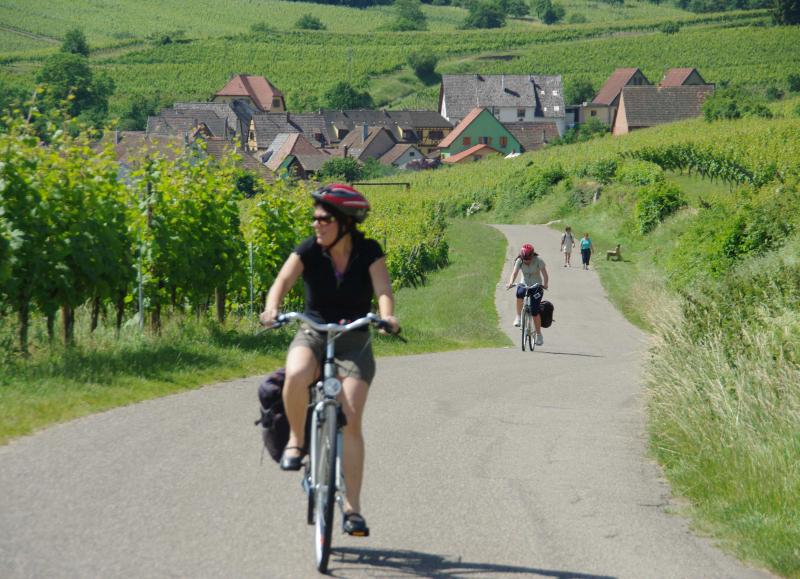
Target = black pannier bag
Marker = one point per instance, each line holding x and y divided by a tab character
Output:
546	313
273	421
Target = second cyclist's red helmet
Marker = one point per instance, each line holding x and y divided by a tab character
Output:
345	199
526	252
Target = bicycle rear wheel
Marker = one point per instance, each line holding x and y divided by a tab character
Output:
531	333
325	493
524	317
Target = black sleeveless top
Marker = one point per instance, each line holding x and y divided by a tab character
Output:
331	297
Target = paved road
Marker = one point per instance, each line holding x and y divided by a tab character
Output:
484	463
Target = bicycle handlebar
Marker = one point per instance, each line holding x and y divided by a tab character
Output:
370	318
525	286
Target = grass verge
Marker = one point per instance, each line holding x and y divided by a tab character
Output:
722	377
100	372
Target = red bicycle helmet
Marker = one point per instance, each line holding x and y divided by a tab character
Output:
526	252
344	198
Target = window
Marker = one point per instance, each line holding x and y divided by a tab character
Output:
521	113
251	136
407	135
594	114
545	109
503	141
411	153
542	92
555	93
467	141
557	108
276	103
436	135
485	140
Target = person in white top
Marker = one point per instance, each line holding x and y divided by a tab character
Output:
533	271
567	245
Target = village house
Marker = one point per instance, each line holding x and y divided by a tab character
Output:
477	153
479	127
256	91
682	77
293	145
423	129
508	97
647	106
401	155
365	142
265	128
604	104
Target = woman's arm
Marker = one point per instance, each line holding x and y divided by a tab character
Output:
382	284
514	274
545	279
289	274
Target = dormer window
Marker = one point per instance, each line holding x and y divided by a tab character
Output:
407	135
521	113
276	103
555	93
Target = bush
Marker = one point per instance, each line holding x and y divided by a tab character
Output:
343	96
408	16
774	93
656	202
670	28
576	18
347	169
309	22
260	28
75	43
422	64
553	12
640	173
793	82
578	90
733	103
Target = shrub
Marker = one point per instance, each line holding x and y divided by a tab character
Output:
670	27
774	93
422	64
309	22
75	43
576	18
343	96
656	202
793	82
733	103
347	168
578	90
640	173
602	169
260	28
553	12
408	16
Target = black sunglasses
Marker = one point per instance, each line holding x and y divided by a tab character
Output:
324	219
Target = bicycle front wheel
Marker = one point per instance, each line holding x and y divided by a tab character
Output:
524	323
325	493
531	333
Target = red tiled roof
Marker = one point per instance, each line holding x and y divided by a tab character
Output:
468	152
295	145
613	85
451	138
258	88
676	76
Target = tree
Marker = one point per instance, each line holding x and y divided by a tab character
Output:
67	77
576	18
309	22
343	96
539	7
553	12
347	169
516	8
408	16
733	103
137	109
786	12
578	90
75	43
422	64
485	14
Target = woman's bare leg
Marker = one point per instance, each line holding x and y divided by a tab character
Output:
302	369
353	399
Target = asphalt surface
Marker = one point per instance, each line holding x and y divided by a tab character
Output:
486	463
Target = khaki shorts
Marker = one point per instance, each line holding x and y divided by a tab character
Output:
353	352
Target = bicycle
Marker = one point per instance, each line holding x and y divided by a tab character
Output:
526	318
323	480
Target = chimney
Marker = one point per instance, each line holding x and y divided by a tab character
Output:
344	156
225	131
231	76
116	137
364	132
543	137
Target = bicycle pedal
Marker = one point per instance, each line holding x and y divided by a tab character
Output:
364	533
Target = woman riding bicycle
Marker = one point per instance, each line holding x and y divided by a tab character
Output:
533	271
341	270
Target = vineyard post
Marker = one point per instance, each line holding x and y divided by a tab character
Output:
141	294
251	282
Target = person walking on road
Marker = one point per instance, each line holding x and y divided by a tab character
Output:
587	249
533	271
567	245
